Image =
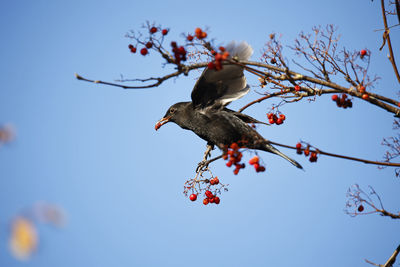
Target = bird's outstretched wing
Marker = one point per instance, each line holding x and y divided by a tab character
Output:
220	87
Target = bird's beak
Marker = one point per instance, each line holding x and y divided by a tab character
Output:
162	122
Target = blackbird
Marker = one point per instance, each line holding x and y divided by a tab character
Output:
207	115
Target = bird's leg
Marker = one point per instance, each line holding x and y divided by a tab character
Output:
204	162
208	152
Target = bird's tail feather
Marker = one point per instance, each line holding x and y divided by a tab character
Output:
241	50
270	148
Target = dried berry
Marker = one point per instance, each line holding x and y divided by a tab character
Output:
144	51
153	30
149	45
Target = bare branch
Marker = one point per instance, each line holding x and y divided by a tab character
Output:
386	37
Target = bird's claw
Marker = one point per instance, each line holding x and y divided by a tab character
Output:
202	165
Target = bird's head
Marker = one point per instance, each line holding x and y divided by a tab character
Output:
176	113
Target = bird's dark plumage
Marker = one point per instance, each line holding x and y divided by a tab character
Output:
207	115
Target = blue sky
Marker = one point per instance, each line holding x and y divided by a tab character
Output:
92	149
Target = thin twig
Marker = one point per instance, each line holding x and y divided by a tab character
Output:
389	43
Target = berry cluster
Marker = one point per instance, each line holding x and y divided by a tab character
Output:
211	198
235	156
307	152
365	95
144	51
179	53
255	162
214	181
275	119
200	34
218	58
343	101
132	48
194	185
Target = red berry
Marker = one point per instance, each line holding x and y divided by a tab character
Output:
153	30
360	208
254	160
279	121
297	88
216	180
217	200
164	31
282	116
335	97
363	52
130	46
273	60
143	51
298	145
211	200
173	44
133	50
189	38
211	65
205	201
229	163
361	89
365	96
236	171
193	197
212	181
270	115
199	33
271	121
209	194
306	152
149	45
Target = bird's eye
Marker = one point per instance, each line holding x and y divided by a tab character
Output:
172	110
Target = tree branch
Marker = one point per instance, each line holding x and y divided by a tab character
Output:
342	156
386	37
389	262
